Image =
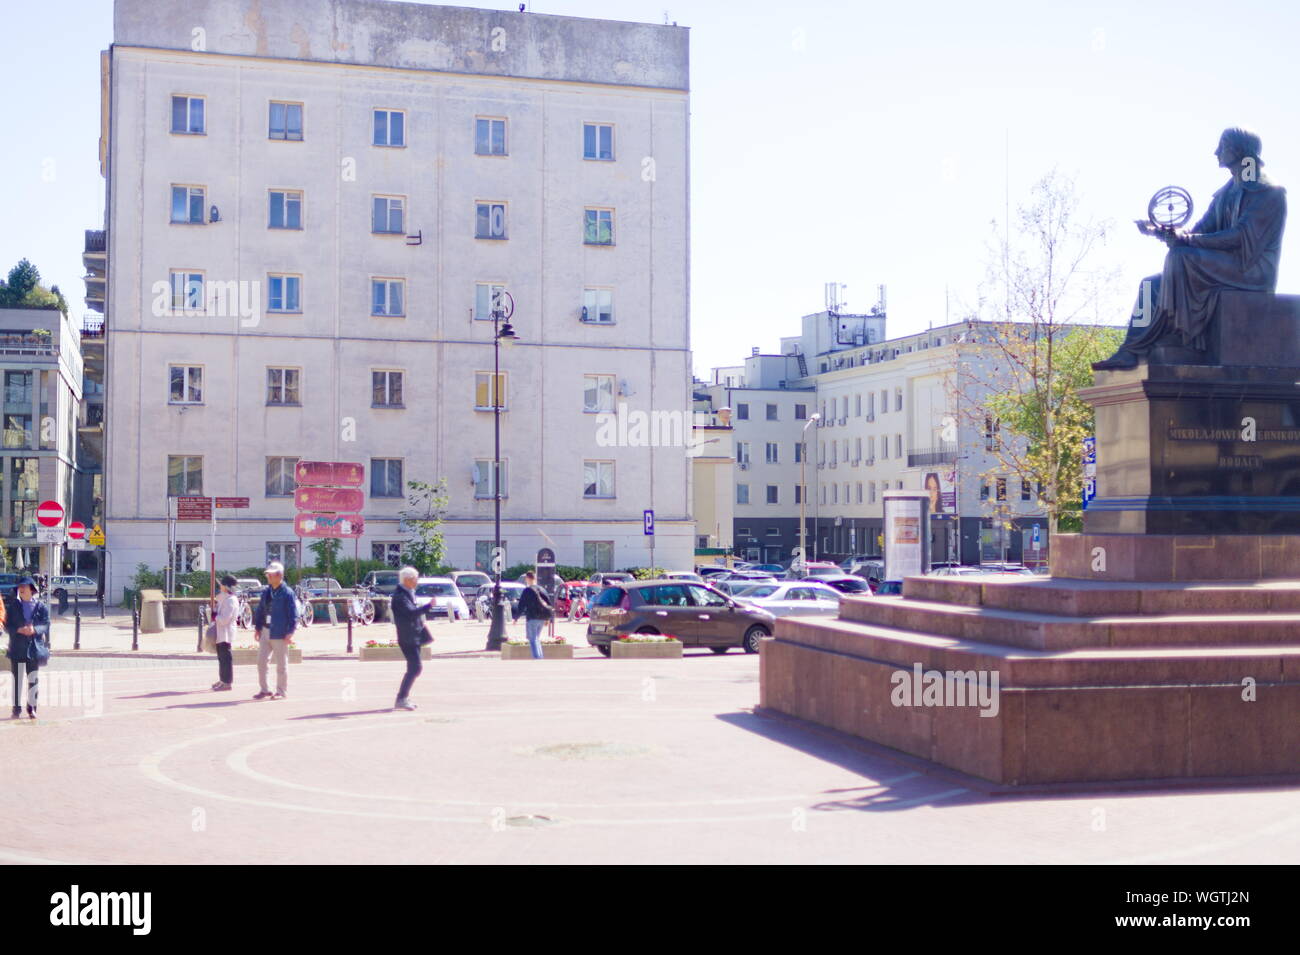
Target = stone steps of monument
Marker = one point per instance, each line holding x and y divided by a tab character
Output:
1046	631
1023	667
1084	598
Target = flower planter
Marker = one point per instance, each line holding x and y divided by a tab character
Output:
390	653
247	657
550	651
635	650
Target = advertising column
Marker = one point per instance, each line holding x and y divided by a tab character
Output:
907	534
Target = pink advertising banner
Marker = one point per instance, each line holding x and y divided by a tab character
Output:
329	473
329	525
333	499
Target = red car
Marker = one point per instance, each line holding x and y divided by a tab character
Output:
573	590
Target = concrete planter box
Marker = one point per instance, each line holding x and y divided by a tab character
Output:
390	653
249	657
550	651
659	650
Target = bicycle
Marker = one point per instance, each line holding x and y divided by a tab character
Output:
360	607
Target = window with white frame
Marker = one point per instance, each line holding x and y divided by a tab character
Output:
284	209
285	552
187	205
282	293
597	478
489	220
280	480
390	127
386	389
773	494
187	291
386	215
390	552
386	478
597	394
484	486
282	386
742	493
598	555
285	121
598	305
598	141
742	452
388	297
185	385
898	399
871	491
487	297
859	489
598	227
187	115
489	136
486	397
773	454
898	446
184	474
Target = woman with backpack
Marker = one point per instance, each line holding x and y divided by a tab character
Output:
27	621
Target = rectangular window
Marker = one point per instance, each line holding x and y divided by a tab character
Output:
22	519
486	398
1002	489
390	127
386	389
857	450
490	220
1025	488
386	477
771	413
742	412
857	406
598	555
898	446
390	552
483	555
388	297
884	447
859	490
598	393
742	493
871	491
898	399
187	115
286	552
282	386
24	479
386	215
800	412
187	291
282	293
18	388
773	494
489	136
984	490
884	401
798	494
280	481
487	298
599	227
484	487
18	431
597	141
798	452
285	121
773	456
598	305
186	385
597	478
742	452
285	210
184	474
187	205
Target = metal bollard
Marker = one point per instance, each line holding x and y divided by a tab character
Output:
202	613
349	630
76	640
135	624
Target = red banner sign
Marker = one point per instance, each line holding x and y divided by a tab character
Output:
329	525
232	502
193	508
333	499
329	474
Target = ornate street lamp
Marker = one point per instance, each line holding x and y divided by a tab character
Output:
503	333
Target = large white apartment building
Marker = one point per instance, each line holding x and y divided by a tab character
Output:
313	206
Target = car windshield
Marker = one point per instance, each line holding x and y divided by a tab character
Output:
755	591
850	586
436	590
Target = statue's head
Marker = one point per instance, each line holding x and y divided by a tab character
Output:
1236	145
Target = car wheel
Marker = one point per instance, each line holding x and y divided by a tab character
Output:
719	650
752	637
603	648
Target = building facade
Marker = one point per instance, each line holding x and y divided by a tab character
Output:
313	214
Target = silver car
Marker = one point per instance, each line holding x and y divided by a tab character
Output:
791	599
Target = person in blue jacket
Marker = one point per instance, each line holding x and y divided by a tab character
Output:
26	620
275	620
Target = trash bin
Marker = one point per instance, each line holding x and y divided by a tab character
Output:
151	611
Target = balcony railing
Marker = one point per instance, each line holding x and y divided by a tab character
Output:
95	240
929	457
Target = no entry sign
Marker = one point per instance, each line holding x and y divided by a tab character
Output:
77	531
49	514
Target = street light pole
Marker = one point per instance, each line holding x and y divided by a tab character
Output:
803	489
500	333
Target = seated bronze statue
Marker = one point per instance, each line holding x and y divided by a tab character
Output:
1235	245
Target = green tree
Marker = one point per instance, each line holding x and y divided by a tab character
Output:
23	287
326	550
423	519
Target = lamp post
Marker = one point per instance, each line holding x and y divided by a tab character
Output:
803	489
502	333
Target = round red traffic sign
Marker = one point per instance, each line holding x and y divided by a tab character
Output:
77	530
50	514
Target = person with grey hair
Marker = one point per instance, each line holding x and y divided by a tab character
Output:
409	617
275	620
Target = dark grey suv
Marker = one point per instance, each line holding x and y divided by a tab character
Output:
696	614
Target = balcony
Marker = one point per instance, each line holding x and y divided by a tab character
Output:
930	457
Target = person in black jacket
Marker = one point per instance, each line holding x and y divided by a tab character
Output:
409	617
26	619
536	608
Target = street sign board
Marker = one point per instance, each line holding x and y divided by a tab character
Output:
329	473
193	508
77	531
49	514
648	522
328	525
332	499
1089	470
96	537
49	535
78	544
232	502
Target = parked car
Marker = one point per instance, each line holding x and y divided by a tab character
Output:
443	594
742	575
320	587
1000	568
469	581
249	587
766	568
683	575
843	583
712	570
71	586
849	563
872	567
380	582
483	596
9	584
959	572
697	614
890	588
812	568
610	576
793	599
573	590
733	587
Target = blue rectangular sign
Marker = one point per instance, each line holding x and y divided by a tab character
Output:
648	517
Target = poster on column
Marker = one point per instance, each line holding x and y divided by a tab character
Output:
906	536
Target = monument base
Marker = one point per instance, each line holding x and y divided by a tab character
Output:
1034	681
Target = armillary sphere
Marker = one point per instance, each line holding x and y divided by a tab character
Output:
1170	208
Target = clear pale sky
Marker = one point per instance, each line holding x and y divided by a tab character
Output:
850	142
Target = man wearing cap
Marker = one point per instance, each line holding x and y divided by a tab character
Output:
26	620
275	620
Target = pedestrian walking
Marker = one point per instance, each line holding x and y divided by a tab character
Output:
227	613
536	609
409	617
27	621
275	620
